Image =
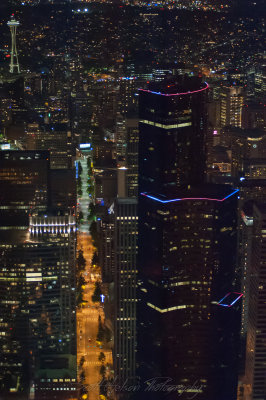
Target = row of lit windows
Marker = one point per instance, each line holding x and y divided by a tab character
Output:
126	218
164	310
164	126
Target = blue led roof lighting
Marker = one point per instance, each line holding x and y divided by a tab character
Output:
188	198
238	296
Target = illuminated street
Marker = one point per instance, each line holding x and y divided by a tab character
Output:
84	200
87	316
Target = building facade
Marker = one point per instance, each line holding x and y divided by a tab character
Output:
172	133
187	264
256	326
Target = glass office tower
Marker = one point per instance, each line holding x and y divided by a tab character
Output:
187	252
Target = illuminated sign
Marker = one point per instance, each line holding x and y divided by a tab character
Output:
102	298
84	145
5	146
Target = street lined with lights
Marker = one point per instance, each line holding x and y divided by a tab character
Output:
89	313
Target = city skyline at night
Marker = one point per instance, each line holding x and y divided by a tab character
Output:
132	200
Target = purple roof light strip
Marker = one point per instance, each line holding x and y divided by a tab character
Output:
176	94
233	302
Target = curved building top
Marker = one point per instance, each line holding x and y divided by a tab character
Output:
180	87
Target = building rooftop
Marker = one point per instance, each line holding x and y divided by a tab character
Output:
247	133
181	85
24	155
208	192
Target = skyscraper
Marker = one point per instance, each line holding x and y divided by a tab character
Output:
37	289
53	309
106	247
37	278
256	324
53	137
187	264
260	80
132	157
126	225
24	179
232	100
187	250
172	131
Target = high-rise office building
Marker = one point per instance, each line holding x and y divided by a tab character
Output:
120	137
256	324
126	225
125	219
172	130
248	152
53	137
254	115
106	247
232	100
24	179
187	249
28	183
260	80
37	289
127	101
53	311
250	191
187	264
132	154
37	282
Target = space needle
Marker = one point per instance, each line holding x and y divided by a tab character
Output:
13	24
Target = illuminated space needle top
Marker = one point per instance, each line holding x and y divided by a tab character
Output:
13	24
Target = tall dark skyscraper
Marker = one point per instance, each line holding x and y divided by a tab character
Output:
132	200
187	261
126	225
187	251
172	131
255	386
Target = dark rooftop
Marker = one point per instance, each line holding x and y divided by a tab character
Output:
177	86
202	192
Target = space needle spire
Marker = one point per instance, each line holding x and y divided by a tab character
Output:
13	24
